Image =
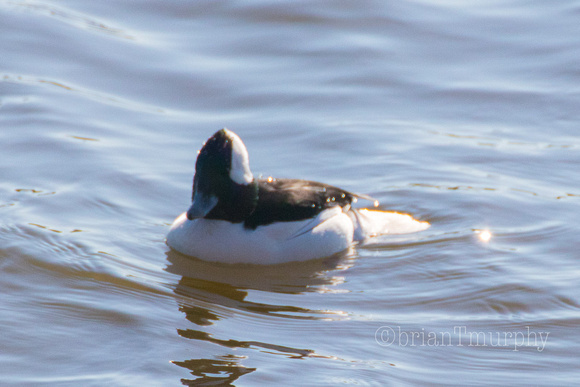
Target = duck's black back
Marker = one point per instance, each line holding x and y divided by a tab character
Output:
285	200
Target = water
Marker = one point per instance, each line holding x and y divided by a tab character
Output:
464	115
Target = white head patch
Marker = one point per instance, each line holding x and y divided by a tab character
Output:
240	168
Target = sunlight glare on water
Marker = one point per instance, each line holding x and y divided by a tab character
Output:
484	235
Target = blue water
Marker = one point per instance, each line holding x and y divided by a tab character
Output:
464	115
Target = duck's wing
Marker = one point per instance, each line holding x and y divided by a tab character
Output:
286	200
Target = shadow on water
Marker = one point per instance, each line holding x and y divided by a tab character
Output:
211	292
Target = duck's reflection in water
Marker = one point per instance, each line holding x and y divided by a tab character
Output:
209	292
214	372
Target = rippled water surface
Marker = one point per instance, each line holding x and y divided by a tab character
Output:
463	114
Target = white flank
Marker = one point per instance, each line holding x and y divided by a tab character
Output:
330	232
222	241
240	168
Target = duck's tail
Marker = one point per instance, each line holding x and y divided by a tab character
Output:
370	223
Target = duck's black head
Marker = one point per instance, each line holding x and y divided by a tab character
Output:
223	186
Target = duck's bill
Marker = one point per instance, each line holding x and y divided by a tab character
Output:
201	206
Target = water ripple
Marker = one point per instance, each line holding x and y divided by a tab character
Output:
70	17
83	92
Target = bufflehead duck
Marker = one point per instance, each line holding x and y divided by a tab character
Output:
235	218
